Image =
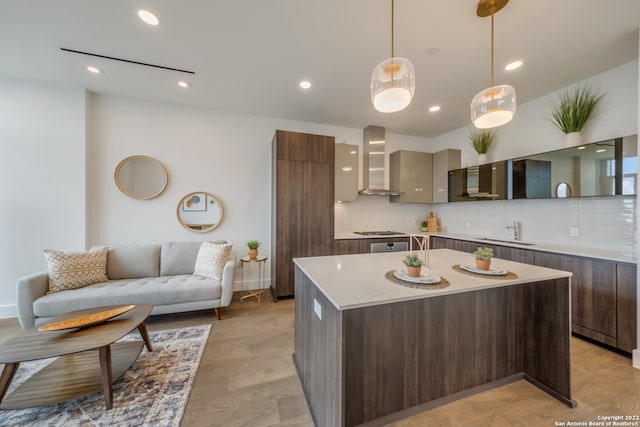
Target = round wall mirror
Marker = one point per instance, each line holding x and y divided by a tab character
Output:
563	190
199	212
141	177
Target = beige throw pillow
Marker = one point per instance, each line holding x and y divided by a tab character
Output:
211	259
72	270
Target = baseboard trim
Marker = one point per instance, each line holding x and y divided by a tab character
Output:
636	358
8	311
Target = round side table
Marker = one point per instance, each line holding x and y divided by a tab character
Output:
261	261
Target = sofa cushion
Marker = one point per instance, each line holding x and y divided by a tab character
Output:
72	270
211	259
132	262
180	257
162	290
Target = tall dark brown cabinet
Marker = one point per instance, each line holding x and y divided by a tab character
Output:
302	203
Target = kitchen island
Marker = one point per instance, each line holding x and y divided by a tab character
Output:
368	350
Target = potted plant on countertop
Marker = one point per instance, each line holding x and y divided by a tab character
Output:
424	226
481	140
414	265
253	249
483	257
574	109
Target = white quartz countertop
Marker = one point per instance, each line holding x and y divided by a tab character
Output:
609	255
618	256
352	281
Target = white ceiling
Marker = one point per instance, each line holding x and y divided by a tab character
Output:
249	56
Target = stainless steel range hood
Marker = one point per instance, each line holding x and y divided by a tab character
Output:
374	163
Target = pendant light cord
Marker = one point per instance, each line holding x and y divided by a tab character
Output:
492	84
392	31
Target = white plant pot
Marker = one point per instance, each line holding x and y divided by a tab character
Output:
483	159
573	139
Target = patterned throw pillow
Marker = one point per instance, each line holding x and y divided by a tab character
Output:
72	270
211	260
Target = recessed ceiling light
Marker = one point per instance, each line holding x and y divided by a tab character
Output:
582	147
148	17
347	169
184	84
94	70
434	108
353	152
305	84
513	65
601	150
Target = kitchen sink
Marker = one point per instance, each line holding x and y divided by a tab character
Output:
511	242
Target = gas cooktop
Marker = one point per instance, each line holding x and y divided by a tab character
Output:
378	233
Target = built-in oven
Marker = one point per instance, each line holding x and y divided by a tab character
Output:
389	247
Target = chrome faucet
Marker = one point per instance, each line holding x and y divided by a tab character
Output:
516	230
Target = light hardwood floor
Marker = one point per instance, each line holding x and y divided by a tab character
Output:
247	378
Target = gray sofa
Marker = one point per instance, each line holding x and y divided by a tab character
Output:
161	275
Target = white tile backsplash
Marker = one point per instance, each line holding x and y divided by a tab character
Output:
603	223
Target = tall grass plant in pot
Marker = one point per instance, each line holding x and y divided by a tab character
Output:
574	109
481	140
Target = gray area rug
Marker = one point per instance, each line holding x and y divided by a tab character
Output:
153	392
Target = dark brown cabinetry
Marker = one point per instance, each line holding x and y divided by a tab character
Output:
302	203
361	246
593	294
603	293
627	311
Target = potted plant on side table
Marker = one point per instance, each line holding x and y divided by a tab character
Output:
573	111
483	257
414	265
253	249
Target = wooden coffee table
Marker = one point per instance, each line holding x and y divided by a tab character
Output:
89	360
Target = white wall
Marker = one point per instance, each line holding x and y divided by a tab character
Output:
603	223
42	178
226	154
531	132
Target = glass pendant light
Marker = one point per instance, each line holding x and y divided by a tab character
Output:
393	81
496	105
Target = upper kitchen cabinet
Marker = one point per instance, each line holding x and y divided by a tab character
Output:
604	168
346	173
443	162
483	182
410	173
302	203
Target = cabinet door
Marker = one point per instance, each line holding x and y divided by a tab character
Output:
443	162
346	173
349	246
514	254
626	307
593	294
304	147
316	221
410	173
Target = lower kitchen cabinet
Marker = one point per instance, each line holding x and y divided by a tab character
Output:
349	246
361	246
603	293
593	294
627	310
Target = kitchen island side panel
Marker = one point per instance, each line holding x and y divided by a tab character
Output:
404	354
318	352
546	325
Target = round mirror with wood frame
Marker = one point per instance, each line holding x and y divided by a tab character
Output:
141	177
563	190
199	211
